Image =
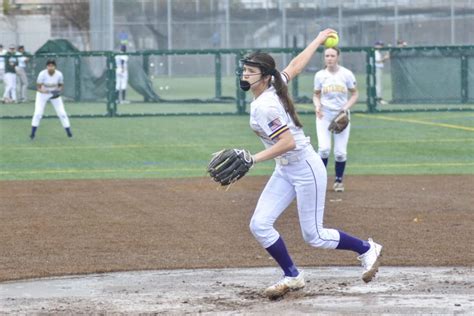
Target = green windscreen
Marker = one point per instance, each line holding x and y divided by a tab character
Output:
432	76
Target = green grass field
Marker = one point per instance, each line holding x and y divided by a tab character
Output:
165	147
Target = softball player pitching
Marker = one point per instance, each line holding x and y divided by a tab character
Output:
49	85
331	88
299	172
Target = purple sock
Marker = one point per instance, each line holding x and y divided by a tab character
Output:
280	254
347	242
340	166
325	161
33	131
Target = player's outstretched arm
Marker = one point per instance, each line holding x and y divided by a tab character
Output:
298	63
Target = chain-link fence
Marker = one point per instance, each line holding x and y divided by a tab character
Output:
424	78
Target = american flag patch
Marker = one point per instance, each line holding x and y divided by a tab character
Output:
275	124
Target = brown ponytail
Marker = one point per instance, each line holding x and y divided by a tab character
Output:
282	92
266	63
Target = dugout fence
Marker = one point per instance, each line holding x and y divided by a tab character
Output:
197	82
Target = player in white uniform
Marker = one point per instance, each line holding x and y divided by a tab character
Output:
2	62
380	59
21	73
49	81
299	172
11	62
331	88
121	75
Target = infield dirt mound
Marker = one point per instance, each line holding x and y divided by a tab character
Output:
328	290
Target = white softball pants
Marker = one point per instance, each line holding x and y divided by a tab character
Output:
121	81
10	86
324	138
40	104
23	82
379	81
306	180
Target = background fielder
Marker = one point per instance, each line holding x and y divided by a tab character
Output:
11	62
121	75
50	82
331	87
21	73
2	61
380	60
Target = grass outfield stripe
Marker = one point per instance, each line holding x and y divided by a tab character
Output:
101	147
456	140
381	117
434	164
405	141
203	170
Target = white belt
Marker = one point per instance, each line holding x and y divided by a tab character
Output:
286	160
294	158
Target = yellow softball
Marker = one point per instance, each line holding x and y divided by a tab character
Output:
332	40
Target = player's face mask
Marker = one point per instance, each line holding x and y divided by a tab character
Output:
245	85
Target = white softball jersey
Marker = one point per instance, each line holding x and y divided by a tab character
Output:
121	63
21	60
268	119
334	87
378	59
50	82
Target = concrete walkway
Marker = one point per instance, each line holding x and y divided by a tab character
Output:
335	290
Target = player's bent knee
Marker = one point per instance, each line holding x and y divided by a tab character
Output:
257	227
324	153
262	231
339	157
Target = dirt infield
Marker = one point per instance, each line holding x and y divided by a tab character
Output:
50	228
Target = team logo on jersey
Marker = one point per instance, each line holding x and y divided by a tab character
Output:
275	124
334	88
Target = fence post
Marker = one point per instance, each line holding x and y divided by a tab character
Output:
218	70
239	94
464	79
77	78
146	69
111	95
370	80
